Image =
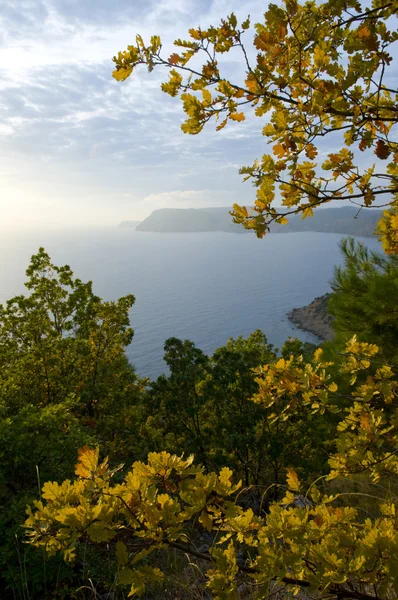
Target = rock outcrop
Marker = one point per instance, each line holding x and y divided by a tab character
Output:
314	318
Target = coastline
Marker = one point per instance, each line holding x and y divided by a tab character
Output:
314	318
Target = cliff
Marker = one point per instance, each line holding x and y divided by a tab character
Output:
314	318
343	220
129	224
190	220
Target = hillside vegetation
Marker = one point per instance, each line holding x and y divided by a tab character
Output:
345	220
250	473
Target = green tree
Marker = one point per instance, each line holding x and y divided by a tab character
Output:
64	382
176	401
239	434
364	299
320	72
60	340
204	407
312	539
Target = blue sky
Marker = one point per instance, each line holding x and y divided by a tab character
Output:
78	148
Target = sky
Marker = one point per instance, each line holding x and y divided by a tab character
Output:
78	148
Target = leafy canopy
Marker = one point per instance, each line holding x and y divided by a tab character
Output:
61	340
365	292
64	382
311	539
317	71
203	407
320	71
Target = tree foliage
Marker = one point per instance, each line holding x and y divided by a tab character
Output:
364	300
61	339
64	382
203	407
311	538
315	71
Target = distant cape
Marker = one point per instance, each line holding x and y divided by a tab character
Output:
344	220
129	224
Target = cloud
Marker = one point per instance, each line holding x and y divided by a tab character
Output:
176	195
5	129
176	199
188	199
78	147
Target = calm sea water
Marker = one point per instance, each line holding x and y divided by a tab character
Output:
204	286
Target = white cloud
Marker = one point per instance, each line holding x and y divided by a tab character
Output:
84	148
5	129
78	147
174	196
185	199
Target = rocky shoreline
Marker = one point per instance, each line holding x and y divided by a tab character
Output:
314	318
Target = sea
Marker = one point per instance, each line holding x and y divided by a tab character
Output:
205	287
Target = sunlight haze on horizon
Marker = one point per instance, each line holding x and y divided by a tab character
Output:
79	149
76	147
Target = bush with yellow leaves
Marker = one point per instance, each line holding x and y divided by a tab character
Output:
313	539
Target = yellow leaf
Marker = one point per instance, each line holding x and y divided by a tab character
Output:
100	532
87	461
307	212
321	58
222	125
122	73
140	41
229	553
293	480
311	151
280	364
317	354
388	510
225	476
281	120
206	520
194	33
51	491
174	58
207	97
237	116
279	150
